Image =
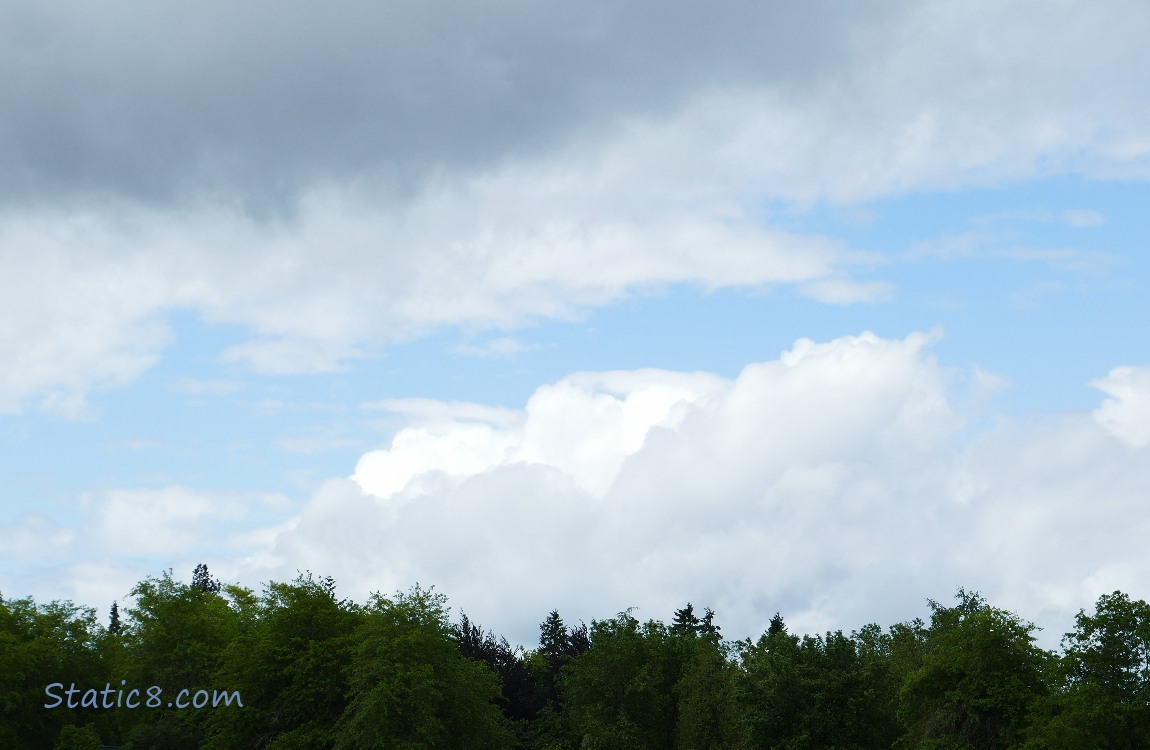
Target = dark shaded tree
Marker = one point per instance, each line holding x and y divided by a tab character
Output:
521	700
319	672
203	581
685	621
78	738
554	642
164	731
578	640
707	625
559	646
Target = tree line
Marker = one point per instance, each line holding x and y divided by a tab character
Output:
316	671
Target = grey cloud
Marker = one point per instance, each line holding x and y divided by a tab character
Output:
168	101
333	181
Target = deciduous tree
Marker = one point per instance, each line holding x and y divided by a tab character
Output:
411	688
1102	683
979	678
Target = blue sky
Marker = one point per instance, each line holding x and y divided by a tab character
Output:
622	310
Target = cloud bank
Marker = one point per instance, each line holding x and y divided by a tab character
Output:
840	483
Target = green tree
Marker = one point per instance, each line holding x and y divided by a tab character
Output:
621	693
1102	682
979	678
769	689
174	638
411	688
289	664
708	716
176	633
830	691
42	645
78	738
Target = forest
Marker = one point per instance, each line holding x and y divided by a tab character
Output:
295	666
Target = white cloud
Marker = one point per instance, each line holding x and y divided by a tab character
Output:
1085	218
173	520
826	484
846	291
139	444
199	387
70	320
503	346
461	451
288	356
352	274
584	426
34	536
426	410
1126	413
267	407
121	535
314	440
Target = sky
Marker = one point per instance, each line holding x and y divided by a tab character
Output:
819	308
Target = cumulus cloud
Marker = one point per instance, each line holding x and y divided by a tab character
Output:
1126	413
838	483
831	484
584	426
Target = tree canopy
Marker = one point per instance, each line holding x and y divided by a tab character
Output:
296	666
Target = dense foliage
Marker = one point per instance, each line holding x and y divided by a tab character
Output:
317	672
